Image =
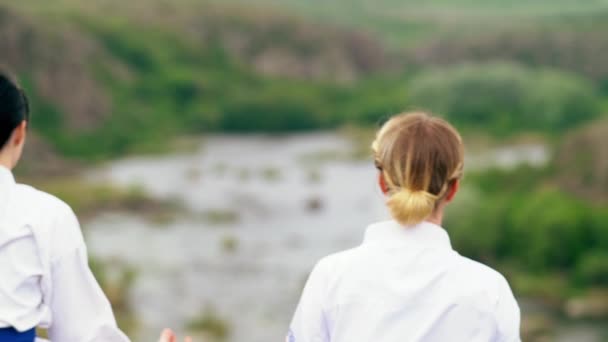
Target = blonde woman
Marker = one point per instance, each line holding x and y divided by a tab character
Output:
405	282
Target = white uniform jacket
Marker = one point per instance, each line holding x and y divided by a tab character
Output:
45	279
405	284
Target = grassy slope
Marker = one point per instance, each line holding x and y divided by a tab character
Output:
405	22
163	78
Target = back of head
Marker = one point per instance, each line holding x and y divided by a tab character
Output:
14	107
420	157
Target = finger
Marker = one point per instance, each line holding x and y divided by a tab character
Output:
188	339
167	336
164	336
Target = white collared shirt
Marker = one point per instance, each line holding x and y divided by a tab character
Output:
45	279
405	284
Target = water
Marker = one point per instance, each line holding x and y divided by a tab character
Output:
293	204
262	211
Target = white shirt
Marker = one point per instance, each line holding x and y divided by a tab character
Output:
45	279
404	284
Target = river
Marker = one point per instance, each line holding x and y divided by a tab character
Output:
260	211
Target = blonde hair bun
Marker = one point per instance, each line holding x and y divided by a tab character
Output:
418	157
411	207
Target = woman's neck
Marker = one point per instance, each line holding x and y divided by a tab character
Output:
436	217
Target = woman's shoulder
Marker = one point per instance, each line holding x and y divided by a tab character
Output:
488	290
334	268
340	260
475	270
481	279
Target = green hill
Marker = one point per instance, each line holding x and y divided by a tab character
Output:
111	77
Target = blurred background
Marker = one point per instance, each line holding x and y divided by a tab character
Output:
215	149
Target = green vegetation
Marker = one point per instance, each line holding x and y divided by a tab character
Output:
132	81
211	325
230	244
549	235
117	280
169	69
529	228
504	98
88	199
271	174
406	22
220	216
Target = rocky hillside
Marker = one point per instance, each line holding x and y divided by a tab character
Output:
132	75
93	76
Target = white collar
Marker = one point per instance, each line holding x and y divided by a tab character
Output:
7	183
6	177
423	234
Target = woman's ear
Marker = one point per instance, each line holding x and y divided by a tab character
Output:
382	183
454	187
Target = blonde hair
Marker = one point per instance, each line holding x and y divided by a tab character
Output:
420	157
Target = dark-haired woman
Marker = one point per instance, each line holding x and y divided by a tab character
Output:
45	280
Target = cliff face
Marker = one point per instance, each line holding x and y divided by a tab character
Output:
55	64
578	51
283	46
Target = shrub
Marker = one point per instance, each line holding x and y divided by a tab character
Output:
592	269
274	111
581	162
548	230
505	97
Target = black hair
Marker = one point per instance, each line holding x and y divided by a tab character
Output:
14	107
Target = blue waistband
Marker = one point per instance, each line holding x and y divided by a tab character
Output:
12	335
